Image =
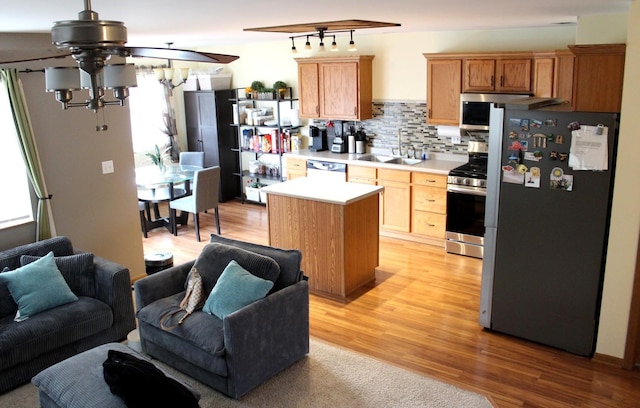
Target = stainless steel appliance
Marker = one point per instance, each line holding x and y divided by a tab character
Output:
546	239
474	108
466	194
326	171
338	140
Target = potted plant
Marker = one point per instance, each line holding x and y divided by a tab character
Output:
256	88
247	92
157	158
281	88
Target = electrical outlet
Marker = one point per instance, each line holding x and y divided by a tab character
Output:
107	167
456	139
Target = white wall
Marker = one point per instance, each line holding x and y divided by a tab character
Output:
625	217
99	213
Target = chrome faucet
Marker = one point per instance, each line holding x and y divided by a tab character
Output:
400	142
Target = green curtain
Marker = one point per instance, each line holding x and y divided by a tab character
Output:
44	220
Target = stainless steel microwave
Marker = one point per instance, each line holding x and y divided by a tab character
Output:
474	108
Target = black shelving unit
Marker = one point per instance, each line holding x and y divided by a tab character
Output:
244	154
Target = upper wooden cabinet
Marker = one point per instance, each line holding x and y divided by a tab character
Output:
508	75
336	87
444	84
589	77
597	77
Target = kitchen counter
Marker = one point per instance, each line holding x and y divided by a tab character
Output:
335	225
439	163
332	193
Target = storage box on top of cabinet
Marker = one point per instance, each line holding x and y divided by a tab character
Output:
214	82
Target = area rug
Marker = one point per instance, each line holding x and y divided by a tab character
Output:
328	377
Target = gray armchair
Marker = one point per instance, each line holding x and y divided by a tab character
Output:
236	354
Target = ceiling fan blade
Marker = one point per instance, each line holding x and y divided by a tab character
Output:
180	55
15	56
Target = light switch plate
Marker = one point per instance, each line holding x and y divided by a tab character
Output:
107	167
456	139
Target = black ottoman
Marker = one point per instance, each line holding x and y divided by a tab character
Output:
78	382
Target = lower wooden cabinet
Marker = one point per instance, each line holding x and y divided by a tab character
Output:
296	168
413	205
429	204
395	203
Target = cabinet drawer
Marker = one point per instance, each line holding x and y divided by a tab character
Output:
394	175
353	179
431	199
429	179
359	172
297	164
427	223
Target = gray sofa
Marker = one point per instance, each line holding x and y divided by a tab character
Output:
103	313
235	354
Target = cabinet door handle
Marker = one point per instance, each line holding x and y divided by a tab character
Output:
429	115
501	81
317	109
355	111
493	81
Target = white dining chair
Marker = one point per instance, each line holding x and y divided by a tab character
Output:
206	187
192	159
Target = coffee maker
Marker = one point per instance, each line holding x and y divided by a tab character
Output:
318	139
336	133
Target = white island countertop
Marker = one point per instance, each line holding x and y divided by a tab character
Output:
341	193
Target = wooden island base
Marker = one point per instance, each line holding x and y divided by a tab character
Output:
339	241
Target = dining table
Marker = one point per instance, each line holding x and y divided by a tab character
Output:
157	186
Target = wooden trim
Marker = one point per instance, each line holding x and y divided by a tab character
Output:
606	359
632	345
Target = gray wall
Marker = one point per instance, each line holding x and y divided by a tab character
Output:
99	213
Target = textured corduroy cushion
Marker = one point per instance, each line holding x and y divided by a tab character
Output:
78	271
288	259
214	258
37	287
235	289
7	305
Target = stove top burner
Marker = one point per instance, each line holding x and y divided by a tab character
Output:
476	167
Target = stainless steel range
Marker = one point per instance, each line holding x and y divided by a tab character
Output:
466	196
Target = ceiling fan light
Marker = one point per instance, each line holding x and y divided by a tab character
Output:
159	73
119	76
168	74
85	80
61	79
183	73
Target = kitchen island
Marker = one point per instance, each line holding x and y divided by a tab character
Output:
334	225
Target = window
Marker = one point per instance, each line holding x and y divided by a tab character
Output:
147	104
15	206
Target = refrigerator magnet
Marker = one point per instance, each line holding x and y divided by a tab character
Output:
532	178
511	175
524	125
522	169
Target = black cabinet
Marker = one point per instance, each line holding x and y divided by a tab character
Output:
207	116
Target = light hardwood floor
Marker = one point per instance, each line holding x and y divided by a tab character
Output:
421	314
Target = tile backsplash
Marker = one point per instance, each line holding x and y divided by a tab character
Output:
411	118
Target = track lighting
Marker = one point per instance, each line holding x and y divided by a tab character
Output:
322	31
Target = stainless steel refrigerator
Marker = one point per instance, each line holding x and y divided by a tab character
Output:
547	224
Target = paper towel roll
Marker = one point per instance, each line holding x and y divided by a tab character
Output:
295	117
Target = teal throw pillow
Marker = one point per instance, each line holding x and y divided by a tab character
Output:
37	287
235	289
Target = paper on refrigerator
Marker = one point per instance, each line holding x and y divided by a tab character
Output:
589	148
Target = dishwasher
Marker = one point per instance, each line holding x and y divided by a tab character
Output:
326	171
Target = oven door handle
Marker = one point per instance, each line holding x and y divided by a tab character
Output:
466	190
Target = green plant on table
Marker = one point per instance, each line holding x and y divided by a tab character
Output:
157	157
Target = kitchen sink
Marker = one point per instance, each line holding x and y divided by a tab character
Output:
388	159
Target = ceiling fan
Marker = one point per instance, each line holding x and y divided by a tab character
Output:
91	42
